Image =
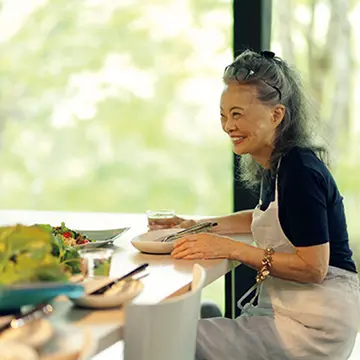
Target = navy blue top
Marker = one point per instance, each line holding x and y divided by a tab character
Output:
311	210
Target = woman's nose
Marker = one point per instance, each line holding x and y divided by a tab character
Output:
230	125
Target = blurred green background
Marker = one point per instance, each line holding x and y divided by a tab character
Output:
113	105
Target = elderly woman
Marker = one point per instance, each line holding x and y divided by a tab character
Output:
307	285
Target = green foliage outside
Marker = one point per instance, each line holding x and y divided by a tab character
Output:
113	106
103	110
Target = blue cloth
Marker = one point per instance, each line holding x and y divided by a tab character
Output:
311	210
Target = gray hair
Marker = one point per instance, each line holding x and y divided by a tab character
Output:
276	83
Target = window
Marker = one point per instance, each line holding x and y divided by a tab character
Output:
113	106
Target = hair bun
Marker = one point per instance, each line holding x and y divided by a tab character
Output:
267	54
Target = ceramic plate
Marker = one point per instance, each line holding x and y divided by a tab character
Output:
16	351
120	294
101	237
150	242
35	334
15	296
70	343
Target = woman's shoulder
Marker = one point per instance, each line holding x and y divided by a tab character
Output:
305	177
302	167
298	160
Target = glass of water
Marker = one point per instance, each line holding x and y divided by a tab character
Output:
161	219
95	262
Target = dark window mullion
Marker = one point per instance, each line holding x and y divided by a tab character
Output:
251	29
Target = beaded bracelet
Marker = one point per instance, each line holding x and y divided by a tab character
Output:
266	264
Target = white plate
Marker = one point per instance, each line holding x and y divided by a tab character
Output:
101	237
10	350
120	294
35	334
70	343
94	244
150	242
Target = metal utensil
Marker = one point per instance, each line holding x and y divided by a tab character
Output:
191	230
106	287
21	320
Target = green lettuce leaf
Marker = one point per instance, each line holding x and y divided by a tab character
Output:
31	253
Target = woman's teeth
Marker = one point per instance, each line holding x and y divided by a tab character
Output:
236	140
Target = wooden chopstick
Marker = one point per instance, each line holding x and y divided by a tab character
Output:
191	230
102	289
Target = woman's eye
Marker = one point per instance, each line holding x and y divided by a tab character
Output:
236	115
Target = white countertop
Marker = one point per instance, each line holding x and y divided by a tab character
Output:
167	277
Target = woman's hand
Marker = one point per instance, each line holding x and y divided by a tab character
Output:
184	224
203	246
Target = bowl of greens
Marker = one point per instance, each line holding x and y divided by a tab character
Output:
35	267
84	238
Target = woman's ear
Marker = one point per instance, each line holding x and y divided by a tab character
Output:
278	114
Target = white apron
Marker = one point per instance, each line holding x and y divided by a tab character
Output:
292	320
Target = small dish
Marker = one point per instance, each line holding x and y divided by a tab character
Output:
70	343
103	235
94	244
13	297
10	350
34	334
100	238
151	242
120	294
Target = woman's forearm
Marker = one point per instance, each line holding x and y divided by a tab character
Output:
284	265
236	223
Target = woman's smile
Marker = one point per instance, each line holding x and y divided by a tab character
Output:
238	140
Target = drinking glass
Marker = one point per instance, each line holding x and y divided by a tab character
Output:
95	262
161	219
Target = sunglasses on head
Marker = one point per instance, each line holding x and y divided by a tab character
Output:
244	74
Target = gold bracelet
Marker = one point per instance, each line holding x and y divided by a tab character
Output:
264	272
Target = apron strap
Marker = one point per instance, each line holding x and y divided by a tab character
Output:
276	179
257	286
276	184
261	191
242	308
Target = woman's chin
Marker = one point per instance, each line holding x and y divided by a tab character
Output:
240	150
